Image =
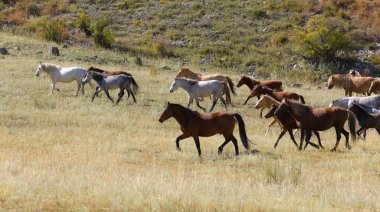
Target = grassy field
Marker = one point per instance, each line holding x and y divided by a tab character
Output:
64	152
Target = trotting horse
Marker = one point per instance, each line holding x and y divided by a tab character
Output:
194	124
105	83
196	89
186	72
65	75
320	119
350	83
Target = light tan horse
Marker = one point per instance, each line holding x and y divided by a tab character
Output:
350	83
186	72
267	101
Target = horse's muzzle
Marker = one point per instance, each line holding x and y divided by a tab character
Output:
160	121
37	75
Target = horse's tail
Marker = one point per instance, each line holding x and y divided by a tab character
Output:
226	90
135	87
352	125
243	135
302	99
231	84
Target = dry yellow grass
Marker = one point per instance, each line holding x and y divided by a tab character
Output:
64	152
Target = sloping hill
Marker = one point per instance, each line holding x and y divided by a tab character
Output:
254	36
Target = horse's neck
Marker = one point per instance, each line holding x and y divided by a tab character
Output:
180	116
197	76
273	101
250	82
298	110
184	84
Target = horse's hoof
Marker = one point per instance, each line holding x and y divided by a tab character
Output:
333	150
220	151
179	149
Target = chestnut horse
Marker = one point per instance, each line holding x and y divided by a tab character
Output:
288	123
366	120
350	83
186	72
259	90
194	124
375	87
250	83
320	119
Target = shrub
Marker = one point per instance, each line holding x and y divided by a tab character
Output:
34	10
84	24
101	33
161	48
322	38
54	30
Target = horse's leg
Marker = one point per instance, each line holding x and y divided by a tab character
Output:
279	137
213	103
121	94
133	95
197	101
338	136
181	137
198	145
302	137
235	142
316	133
98	89
247	100
52	88
220	149
190	101
79	86
224	102
308	136
274	121
346	134
108	95
292	137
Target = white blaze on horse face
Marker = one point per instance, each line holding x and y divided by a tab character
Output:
173	87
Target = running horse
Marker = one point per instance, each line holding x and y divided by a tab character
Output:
251	83
194	124
320	119
186	72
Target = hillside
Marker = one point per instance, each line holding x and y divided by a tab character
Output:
267	38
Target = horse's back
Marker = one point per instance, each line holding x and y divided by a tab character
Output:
69	74
215	123
218	77
273	84
361	84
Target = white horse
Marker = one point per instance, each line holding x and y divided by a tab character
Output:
65	75
196	89
346	102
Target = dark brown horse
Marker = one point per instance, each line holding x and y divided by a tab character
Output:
250	82
365	119
320	119
288	124
259	90
194	124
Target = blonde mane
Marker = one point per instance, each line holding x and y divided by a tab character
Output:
48	67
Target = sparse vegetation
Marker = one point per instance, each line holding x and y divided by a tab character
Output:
101	33
53	30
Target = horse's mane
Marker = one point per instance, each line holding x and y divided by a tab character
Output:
190	81
196	113
186	68
96	69
298	107
48	67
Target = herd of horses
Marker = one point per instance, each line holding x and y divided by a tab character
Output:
286	108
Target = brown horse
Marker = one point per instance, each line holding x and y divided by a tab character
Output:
250	83
194	124
350	83
365	119
320	119
186	72
375	87
259	90
288	123
267	101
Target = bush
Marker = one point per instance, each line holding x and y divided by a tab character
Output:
101	33
84	24
322	38
34	10
54	30
161	48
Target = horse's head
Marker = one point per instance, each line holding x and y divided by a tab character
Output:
173	87
283	107
40	68
241	80
330	82
272	109
167	113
